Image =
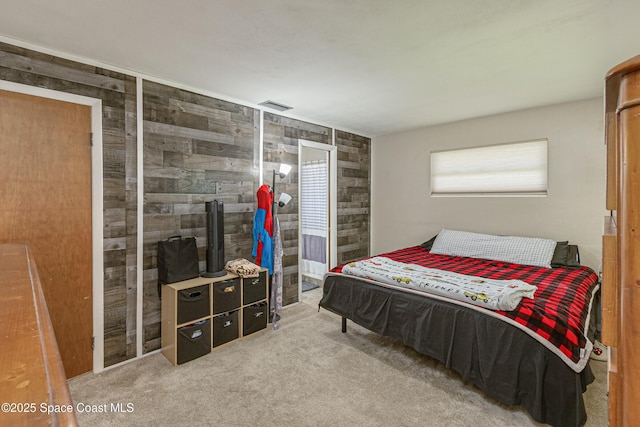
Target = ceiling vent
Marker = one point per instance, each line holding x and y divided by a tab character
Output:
275	106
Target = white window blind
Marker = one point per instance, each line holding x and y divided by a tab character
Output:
313	203
505	169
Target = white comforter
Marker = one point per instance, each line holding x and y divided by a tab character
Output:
489	293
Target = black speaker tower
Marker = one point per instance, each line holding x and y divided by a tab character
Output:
215	239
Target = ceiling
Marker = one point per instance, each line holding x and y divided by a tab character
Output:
368	66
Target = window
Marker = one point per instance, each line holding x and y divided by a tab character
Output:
514	169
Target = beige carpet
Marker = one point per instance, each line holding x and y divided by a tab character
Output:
307	373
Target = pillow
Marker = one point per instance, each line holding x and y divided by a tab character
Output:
429	243
514	249
573	256
566	255
560	258
560	254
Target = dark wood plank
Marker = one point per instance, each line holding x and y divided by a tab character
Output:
354	196
196	149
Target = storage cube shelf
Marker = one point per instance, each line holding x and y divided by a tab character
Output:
200	314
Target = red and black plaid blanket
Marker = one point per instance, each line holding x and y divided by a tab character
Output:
559	311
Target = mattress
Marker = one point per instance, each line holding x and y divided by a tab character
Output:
535	356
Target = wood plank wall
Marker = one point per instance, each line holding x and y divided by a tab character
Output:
280	145
196	149
118	94
354	196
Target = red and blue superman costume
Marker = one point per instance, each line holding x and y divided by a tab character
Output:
263	229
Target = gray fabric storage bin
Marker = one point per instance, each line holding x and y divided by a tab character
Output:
254	318
194	341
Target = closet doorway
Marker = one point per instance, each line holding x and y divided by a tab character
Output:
317	242
48	200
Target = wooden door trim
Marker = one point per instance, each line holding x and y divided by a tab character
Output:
97	235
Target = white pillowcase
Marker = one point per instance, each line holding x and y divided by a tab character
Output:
514	249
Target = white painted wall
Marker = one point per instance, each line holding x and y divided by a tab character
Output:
403	213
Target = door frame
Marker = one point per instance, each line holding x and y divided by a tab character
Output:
97	234
333	204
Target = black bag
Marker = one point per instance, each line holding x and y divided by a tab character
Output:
177	260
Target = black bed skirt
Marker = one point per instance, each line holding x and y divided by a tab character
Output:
504	362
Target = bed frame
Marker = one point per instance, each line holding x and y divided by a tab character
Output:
472	345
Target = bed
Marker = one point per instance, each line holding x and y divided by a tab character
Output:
536	355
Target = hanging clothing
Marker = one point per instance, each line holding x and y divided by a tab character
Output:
263	229
265	202
276	284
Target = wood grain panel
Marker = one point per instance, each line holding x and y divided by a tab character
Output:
118	94
629	267
354	196
45	146
46	68
621	269
196	149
